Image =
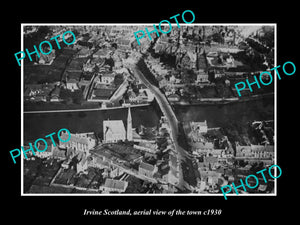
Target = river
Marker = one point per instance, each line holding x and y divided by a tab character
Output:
40	124
224	114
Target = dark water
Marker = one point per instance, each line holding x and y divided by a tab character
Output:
223	115
39	125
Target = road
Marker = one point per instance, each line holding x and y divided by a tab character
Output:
171	117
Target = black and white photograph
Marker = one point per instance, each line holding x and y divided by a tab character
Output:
169	114
159	114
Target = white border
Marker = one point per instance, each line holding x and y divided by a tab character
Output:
141	24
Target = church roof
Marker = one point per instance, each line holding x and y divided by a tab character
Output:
114	126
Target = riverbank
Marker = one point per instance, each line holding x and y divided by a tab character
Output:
86	110
43	107
223	101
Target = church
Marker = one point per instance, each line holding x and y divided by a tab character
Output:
114	130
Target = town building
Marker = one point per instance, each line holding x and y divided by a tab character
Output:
38	92
47	59
112	185
199	127
107	77
146	169
202	147
84	52
97	162
82	142
174	98
82	165
146	146
55	95
71	84
202	76
116	172
49	149
102	53
113	131
58	153
255	151
210	162
211	178
171	176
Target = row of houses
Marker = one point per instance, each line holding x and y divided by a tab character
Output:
255	151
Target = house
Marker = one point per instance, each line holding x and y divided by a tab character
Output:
202	146
124	43
84	52
216	152
80	142
212	178
149	94
146	146
255	151
243	151
113	131
174	98
72	84
146	169
116	172
49	149
202	77
107	77
55	95
142	97
171	177
162	82
82	165
263	151
66	164
199	127
101	53
97	162
37	92
89	66
112	185
132	96
59	154
47	59
210	161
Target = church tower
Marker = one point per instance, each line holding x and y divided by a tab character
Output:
129	125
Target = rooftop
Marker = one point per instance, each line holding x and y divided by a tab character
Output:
116	152
116	126
147	166
115	184
76	138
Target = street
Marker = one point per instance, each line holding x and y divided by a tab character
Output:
170	115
